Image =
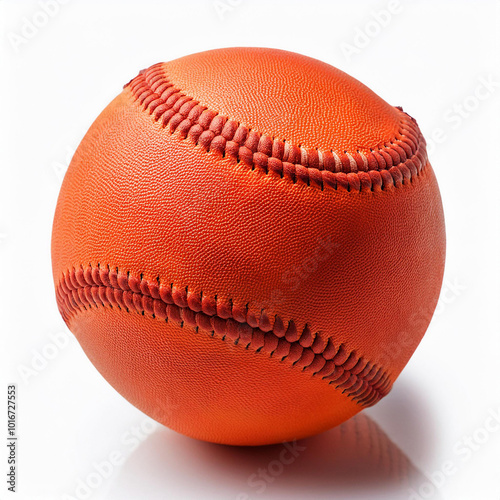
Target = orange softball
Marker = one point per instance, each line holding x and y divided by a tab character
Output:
249	245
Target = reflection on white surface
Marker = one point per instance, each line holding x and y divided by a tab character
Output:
356	460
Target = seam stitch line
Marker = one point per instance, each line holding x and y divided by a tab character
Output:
82	288
393	164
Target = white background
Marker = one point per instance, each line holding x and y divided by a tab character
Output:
430	57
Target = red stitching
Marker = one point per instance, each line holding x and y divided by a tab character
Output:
392	164
82	289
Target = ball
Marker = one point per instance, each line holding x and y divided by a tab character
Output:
249	245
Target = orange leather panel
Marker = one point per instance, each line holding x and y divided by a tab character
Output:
359	267
205	387
306	101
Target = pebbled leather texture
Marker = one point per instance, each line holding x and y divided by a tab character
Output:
249	245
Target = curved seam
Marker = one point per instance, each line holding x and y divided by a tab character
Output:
92	286
393	164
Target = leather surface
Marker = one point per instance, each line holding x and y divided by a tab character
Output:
361	267
307	102
204	387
